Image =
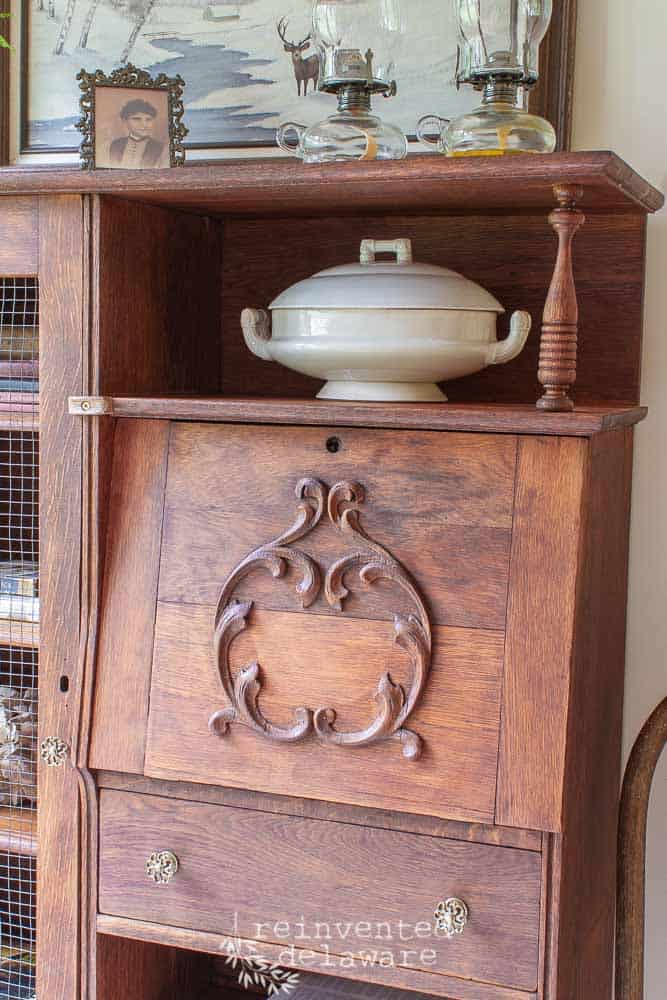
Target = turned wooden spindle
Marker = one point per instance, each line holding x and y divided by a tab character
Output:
557	369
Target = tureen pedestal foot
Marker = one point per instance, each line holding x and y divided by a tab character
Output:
384	392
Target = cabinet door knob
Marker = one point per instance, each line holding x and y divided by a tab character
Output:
451	916
162	866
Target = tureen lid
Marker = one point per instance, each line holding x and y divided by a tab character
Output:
387	284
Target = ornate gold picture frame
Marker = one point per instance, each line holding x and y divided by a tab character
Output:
131	120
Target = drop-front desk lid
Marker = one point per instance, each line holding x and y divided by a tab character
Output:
344	614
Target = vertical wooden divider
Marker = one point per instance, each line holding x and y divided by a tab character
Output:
62	321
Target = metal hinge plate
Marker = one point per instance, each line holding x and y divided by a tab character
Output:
90	406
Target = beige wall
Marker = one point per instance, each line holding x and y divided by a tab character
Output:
621	104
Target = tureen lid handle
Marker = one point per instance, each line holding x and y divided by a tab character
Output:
402	249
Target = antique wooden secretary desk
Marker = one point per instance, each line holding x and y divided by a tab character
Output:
340	780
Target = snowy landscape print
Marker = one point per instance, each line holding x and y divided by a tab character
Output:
240	82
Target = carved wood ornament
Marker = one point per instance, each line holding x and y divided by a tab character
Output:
412	632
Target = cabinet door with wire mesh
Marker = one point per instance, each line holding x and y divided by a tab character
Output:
19	631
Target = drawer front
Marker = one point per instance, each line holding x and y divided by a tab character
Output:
440	507
347	892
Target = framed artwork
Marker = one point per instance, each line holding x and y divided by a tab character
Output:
243	62
131	120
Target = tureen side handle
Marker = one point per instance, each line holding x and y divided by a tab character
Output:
506	350
256	326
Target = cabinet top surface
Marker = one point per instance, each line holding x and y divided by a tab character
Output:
421	184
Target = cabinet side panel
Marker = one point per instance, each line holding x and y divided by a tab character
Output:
158	299
588	867
127	618
540	622
62	301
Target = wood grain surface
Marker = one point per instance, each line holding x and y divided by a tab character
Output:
19	246
422	183
286	805
62	323
587	875
485	418
248	872
316	661
155	281
540	632
442	505
127	617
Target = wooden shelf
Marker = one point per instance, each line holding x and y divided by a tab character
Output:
422	184
492	419
18	830
19	633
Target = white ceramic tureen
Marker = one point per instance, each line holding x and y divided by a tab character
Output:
384	330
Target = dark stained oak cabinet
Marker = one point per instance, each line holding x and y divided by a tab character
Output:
344	661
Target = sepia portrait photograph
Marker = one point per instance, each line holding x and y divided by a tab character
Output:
131	128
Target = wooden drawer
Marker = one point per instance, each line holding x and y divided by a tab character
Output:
335	889
204	497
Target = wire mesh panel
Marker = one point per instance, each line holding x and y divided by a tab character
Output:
19	632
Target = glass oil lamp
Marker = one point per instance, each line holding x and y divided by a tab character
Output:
356	40
499	43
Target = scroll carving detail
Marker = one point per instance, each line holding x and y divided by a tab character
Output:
412	632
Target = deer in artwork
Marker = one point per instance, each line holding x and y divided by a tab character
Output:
304	69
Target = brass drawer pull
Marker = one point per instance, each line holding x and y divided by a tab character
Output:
162	866
451	916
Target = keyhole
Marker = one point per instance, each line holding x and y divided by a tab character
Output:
333	445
